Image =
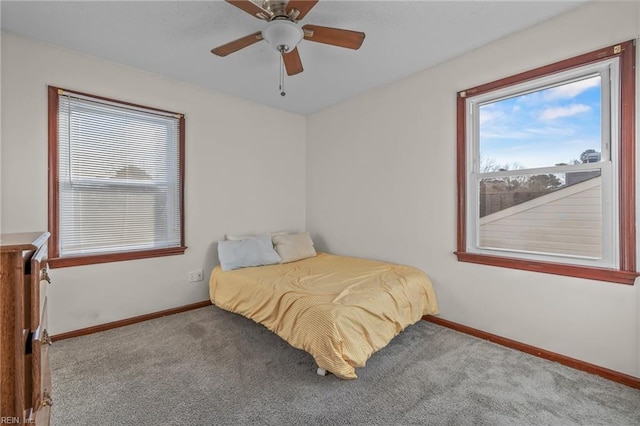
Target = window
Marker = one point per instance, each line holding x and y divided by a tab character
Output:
116	180
546	168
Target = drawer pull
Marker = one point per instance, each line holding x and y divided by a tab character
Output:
44	275
46	338
47	401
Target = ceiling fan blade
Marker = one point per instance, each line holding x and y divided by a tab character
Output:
334	36
292	62
302	6
251	8
238	44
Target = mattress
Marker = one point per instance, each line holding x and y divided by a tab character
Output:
338	309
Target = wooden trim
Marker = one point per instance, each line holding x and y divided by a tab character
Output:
53	170
64	262
606	373
627	158
129	321
586	272
118	102
576	61
626	272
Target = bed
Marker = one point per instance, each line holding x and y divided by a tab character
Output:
338	309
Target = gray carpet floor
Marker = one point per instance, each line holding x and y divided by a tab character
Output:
211	367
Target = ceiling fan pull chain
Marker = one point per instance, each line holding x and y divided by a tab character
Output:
282	92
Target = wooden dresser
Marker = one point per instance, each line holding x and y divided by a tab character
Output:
25	377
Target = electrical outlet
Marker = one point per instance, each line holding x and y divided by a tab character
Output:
195	276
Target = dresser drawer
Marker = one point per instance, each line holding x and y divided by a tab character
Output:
40	372
43	413
38	285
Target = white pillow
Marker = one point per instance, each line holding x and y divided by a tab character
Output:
251	251
293	247
238	237
244	237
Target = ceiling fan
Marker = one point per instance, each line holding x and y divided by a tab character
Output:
284	33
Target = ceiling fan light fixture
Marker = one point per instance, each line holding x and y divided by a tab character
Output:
283	35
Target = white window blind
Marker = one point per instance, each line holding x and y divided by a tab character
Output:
119	187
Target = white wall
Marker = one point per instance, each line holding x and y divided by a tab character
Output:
381	183
245	173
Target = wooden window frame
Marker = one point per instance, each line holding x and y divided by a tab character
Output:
626	272
55	261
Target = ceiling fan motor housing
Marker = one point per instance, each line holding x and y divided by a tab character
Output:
282	34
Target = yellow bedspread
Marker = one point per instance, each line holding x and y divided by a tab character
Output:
339	309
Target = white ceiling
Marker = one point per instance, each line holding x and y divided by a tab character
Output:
174	39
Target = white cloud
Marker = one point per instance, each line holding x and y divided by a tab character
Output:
571	90
565	111
547	131
503	133
489	114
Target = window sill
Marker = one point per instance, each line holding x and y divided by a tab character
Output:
64	262
599	274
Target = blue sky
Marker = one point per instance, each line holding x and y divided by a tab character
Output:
543	128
